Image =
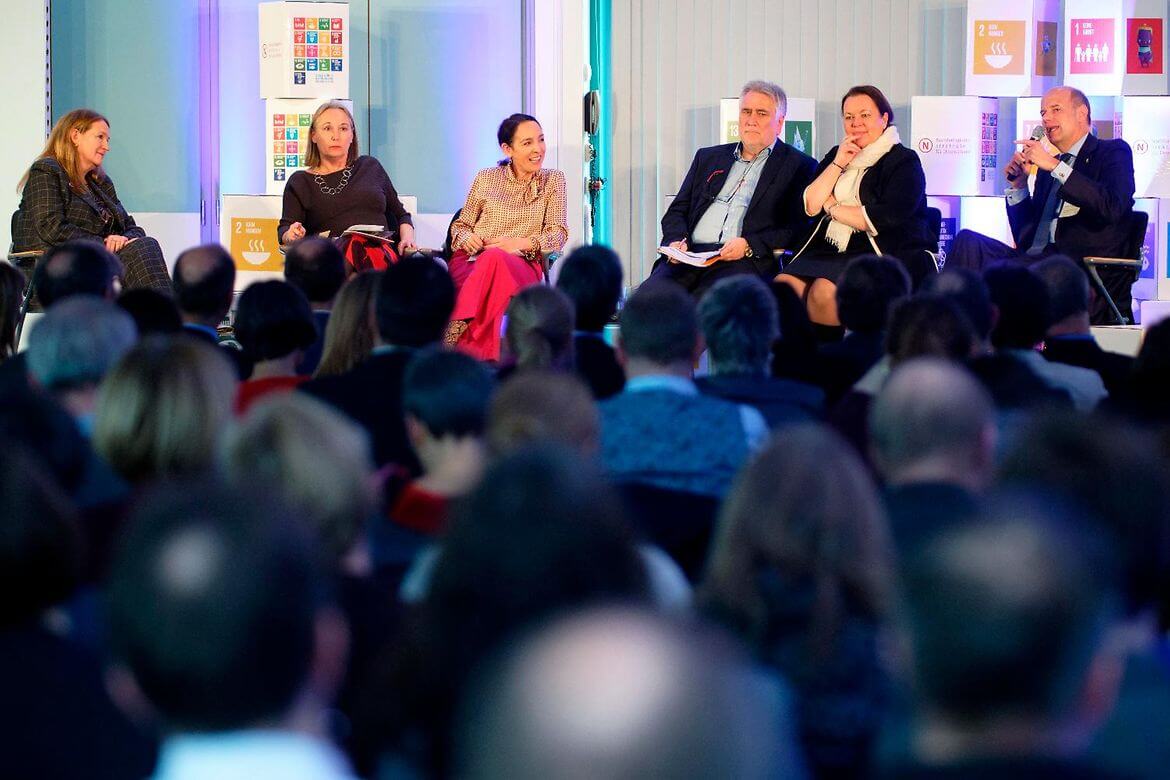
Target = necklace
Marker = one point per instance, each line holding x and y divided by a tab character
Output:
326	189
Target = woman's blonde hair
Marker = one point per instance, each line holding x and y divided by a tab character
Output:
349	335
163	407
315	457
313	155
60	146
539	333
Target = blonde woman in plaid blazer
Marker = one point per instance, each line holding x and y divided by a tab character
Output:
66	196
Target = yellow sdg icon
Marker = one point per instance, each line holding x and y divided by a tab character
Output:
998	47
254	244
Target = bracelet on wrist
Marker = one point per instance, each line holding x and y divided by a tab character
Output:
841	167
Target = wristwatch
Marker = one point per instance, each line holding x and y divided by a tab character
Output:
748	252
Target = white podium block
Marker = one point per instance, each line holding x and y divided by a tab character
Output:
1146	126
956	139
1094	47
287	121
304	50
799	129
1154	312
1011	47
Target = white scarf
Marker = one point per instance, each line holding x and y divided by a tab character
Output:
849	182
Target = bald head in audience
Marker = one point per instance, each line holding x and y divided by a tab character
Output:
615	694
933	422
204	281
77	268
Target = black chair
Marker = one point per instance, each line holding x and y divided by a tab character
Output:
934	225
27	262
1131	262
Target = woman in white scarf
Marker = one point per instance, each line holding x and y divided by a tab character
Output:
870	193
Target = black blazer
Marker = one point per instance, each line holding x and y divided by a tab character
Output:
1101	186
51	212
775	217
893	192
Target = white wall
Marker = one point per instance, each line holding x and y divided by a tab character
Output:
22	82
674	59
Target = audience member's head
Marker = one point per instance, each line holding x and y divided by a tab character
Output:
1113	473
740	323
75	344
868	287
539	330
162	408
317	459
316	267
204	282
413	303
1150	379
351	332
968	291
1022	301
12	285
933	422
49	433
794	354
592	278
543	406
213	605
659	330
40	542
1005	617
802	529
615	694
1068	294
77	268
929	325
153	311
447	394
273	321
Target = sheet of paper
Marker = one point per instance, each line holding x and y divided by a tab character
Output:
690	258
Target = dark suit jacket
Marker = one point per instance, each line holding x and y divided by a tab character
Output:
1086	353
371	394
1101	186
840	364
775	217
51	212
780	401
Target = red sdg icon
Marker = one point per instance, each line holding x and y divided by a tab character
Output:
925	145
298	22
335	23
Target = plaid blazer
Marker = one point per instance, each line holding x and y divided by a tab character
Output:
51	212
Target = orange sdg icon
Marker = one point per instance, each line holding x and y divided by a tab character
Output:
998	47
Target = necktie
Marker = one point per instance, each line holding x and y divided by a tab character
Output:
1047	215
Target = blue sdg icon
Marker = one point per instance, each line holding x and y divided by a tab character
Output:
335	65
278	174
299	78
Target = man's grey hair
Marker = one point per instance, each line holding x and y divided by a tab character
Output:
77	341
740	322
774	91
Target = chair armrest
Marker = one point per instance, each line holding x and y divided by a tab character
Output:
1124	262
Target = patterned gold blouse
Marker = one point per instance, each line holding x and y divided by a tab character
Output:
500	205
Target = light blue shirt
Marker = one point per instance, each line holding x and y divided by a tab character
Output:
1060	173
723	219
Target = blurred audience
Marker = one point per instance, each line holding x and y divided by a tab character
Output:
592	278
801	570
349	337
12	284
538	332
740	323
623	694
412	307
275	326
162	408
660	430
543	406
204	281
316	267
153	311
217	613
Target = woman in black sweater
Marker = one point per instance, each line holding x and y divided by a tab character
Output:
340	189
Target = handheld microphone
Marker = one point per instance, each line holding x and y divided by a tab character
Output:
1037	132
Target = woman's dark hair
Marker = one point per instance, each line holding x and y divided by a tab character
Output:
508	128
874	94
273	320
